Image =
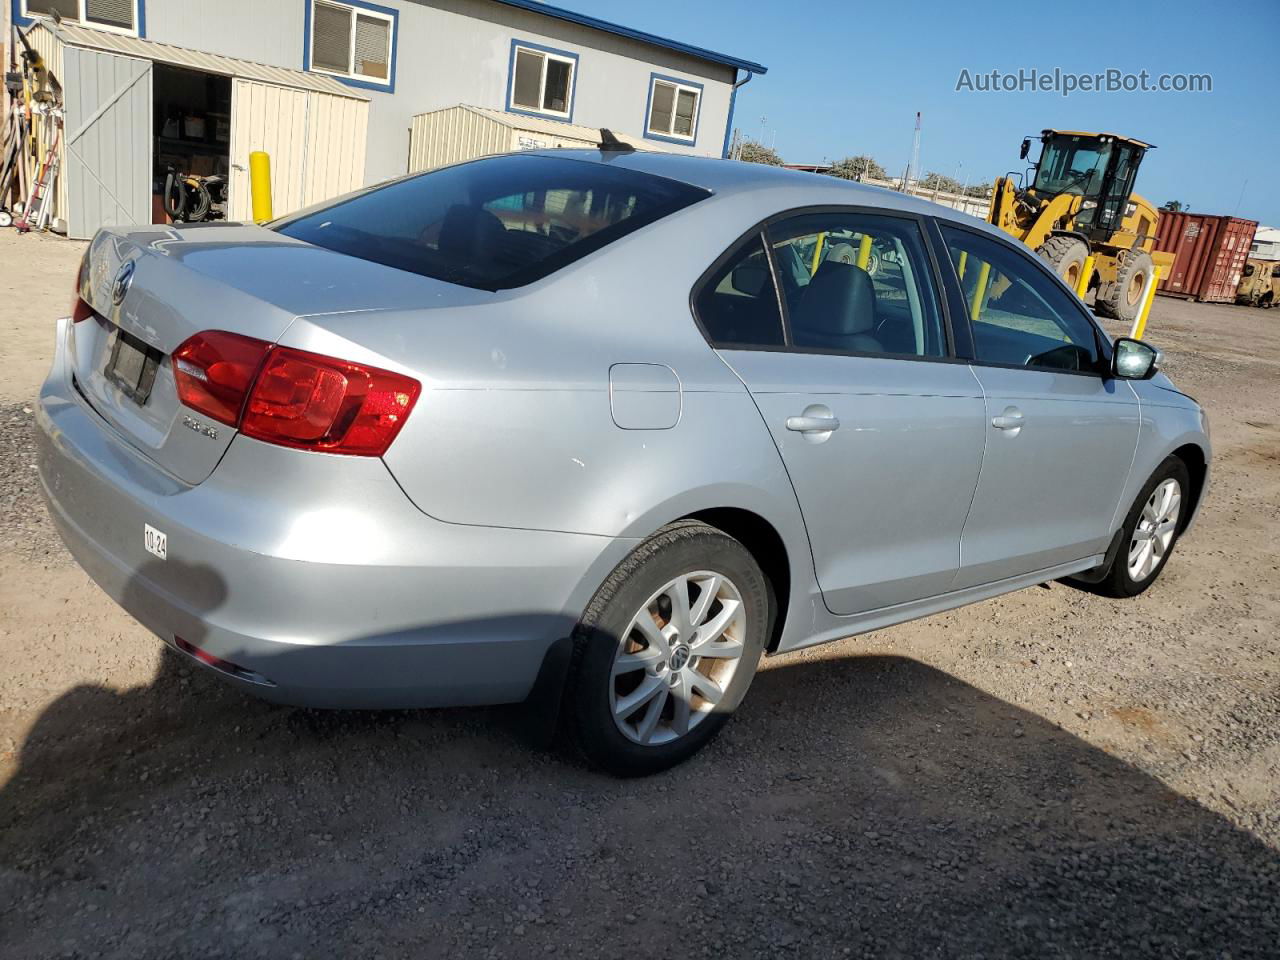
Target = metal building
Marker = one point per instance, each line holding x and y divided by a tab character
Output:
314	128
463	133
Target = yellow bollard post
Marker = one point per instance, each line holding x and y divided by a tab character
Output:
979	292
817	253
1086	271
260	185
964	260
864	251
1148	297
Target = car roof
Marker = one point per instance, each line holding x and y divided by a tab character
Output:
731	177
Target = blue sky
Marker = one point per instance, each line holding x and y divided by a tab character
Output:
846	78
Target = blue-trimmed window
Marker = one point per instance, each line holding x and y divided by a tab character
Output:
353	41
541	81
672	110
117	16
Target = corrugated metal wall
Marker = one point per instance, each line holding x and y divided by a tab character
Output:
443	137
337	135
107	172
316	142
1209	254
274	119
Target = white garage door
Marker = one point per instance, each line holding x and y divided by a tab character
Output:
107	148
316	142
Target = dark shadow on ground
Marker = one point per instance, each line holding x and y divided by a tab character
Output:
872	803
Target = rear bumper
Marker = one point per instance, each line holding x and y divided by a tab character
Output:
313	571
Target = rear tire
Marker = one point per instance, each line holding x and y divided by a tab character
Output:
1143	548
1066	255
649	686
1122	299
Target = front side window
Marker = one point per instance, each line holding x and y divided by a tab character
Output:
351	41
110	14
1020	317
542	80
494	223
673	108
857	283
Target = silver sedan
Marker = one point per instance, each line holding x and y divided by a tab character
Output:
597	428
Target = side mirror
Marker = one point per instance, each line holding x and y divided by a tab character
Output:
1135	360
1026	148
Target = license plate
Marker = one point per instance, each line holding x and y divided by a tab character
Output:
132	366
155	541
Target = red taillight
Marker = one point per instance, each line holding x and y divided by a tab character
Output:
80	309
293	398
214	371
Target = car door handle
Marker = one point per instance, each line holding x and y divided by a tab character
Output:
813	424
1011	419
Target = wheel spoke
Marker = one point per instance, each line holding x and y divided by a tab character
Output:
649	722
680	706
649	688
678	594
1173	507
710	632
724	649
652	633
640	660
710	586
1149	511
707	688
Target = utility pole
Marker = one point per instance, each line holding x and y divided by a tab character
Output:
913	168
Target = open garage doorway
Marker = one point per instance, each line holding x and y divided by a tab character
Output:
192	145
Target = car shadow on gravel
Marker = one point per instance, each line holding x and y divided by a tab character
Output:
871	804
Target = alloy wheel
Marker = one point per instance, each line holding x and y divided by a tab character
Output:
676	658
1153	535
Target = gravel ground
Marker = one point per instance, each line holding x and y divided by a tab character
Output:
1045	774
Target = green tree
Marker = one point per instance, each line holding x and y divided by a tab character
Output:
753	151
858	168
980	190
940	182
1175	206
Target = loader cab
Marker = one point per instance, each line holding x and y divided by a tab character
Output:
1100	168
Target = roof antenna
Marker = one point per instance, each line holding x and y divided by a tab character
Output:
611	144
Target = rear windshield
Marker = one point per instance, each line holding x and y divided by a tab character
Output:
494	223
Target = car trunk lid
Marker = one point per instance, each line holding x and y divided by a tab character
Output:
150	290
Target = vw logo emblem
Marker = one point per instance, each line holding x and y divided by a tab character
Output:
679	657
120	285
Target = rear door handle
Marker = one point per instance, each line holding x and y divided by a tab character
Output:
813	424
1011	419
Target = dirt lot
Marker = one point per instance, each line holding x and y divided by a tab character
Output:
1047	774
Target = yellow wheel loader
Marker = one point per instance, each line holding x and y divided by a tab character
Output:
1078	201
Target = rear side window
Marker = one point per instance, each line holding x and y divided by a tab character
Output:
738	305
495	223
857	283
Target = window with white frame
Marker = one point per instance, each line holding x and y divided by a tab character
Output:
542	81
108	14
351	41
673	109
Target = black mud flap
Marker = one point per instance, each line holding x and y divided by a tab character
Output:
537	719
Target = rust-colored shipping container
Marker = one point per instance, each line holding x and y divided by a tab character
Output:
1209	254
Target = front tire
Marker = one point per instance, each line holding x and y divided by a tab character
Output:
1066	255
667	649
1122	300
1150	531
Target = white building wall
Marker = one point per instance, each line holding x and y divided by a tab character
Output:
457	51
